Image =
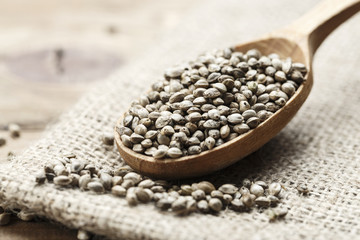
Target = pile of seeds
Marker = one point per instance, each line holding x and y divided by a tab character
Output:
202	104
124	182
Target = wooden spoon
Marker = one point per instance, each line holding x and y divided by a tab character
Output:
299	41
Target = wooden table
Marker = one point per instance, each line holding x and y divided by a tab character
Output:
48	51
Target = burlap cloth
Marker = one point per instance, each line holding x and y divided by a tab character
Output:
321	145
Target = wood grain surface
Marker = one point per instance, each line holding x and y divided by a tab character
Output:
51	52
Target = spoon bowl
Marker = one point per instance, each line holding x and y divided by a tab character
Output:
298	41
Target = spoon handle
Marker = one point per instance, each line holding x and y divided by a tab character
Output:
320	21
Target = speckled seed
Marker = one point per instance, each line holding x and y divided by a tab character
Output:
241	128
186	189
131	196
40	177
126	140
257	190
147	183
179	206
273	200
136	178
211	93
262	184
235	118
237	205
160	153
14	130
216	194
210	143
215	204
62	180
116	180
247	200
253	122
302	189
143	195
127	184
118	191
274	188
106	180
174	152
96	187
203	206
194	150
84	180
228	189
198	194
227	198
263	201
136	138
206	186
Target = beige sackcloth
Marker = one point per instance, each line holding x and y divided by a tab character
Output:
320	146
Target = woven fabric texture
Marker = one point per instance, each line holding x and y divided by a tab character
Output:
320	146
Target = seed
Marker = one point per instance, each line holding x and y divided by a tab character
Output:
96	187
302	189
209	142
235	118
263	201
76	166
247	200
198	194
59	169
253	122
273	200
83	181
106	180
216	194
262	184
147	183
14	130
186	189
241	128
179	206
281	102
40	177
143	195
243	106
211	93
215	204
118	191
62	180
280	76
194	150
174	152
248	114
136	178
274	188
227	198
116	180
164	203
131	196
257	190
203	206
160	153
238	205
228	189
2	141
